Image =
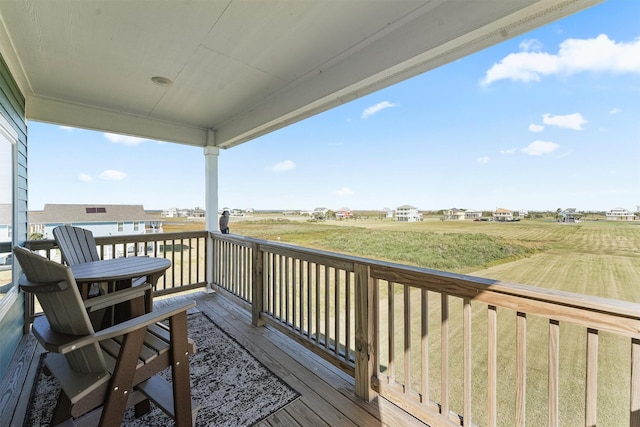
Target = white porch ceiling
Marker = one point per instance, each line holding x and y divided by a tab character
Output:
241	68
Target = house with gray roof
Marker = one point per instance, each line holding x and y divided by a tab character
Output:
102	220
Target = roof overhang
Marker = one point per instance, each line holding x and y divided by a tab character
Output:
239	68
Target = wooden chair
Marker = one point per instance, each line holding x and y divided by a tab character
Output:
78	246
102	373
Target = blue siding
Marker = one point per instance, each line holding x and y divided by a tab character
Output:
12	106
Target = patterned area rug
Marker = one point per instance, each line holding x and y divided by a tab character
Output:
231	386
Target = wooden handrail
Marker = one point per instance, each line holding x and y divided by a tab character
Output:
312	296
375	321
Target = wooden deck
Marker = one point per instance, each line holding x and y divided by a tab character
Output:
327	396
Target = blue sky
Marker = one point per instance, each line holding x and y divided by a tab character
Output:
547	120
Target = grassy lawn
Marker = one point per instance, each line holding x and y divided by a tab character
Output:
597	258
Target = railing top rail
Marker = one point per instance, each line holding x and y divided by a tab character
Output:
469	286
125	238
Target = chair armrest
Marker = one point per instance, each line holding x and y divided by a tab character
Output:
117	297
127	326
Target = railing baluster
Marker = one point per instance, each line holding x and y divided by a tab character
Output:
327	307
347	319
554	373
391	375
521	368
407	339
281	301
424	345
591	389
444	353
376	326
336	309
287	290
467	362
301	294
635	383
318	299
309	299
492	365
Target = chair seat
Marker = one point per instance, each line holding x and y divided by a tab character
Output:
91	388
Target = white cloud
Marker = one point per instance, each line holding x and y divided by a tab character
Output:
67	128
344	191
530	45
538	148
85	177
599	54
283	166
535	128
570	121
376	109
615	111
123	139
113	175
483	160
508	151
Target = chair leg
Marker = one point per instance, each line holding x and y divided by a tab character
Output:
62	412
122	379
142	408
180	370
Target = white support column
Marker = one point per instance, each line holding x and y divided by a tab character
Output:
211	154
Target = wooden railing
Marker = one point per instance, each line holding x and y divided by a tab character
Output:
186	250
449	348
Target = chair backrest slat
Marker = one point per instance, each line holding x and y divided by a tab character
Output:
76	244
62	305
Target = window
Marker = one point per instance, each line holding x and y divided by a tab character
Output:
136	226
121	226
96	210
8	153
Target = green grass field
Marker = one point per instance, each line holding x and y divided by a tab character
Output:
597	258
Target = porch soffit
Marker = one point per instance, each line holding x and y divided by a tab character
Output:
242	68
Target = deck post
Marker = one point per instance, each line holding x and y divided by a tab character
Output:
211	154
257	287
365	339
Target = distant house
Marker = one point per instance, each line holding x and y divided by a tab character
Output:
387	213
102	220
5	222
197	212
472	214
503	215
569	215
6	234
407	213
320	213
343	213
620	214
170	213
454	214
